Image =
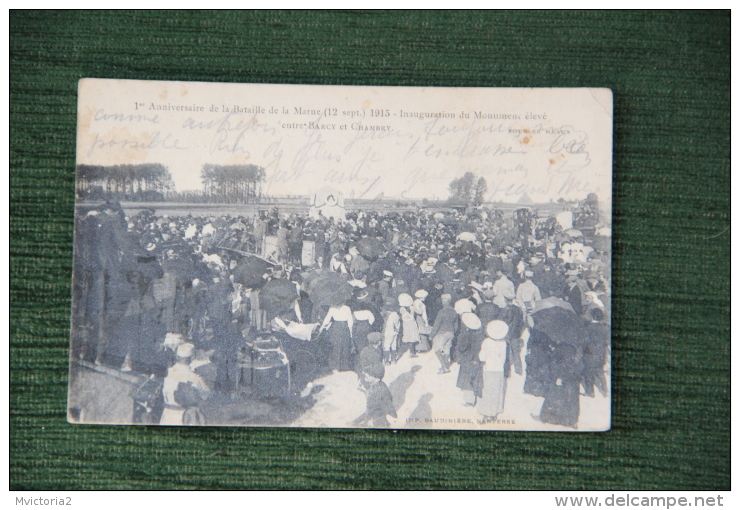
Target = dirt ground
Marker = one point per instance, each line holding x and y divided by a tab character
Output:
425	399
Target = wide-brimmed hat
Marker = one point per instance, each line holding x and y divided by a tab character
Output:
497	330
405	300
471	320
464	306
421	293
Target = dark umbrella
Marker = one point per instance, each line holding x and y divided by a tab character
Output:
562	326
278	295
371	248
250	270
313	280
331	290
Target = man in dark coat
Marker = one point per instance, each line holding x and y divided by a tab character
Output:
467	348
538	359
371	354
379	398
513	316
548	281
487	311
283	245
295	243
562	398
443	332
595	353
574	295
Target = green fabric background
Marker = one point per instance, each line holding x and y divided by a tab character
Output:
670	73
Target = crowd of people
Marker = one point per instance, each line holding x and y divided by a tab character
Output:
179	298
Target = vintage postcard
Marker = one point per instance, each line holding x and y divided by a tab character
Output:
342	256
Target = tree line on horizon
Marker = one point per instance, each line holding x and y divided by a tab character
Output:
152	182
232	184
468	190
142	182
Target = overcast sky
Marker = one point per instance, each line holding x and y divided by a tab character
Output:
366	142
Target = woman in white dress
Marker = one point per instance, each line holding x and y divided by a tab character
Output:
493	356
422	322
410	337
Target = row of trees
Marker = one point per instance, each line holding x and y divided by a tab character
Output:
144	182
232	184
468	190
152	182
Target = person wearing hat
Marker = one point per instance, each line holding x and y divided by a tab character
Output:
371	354
443	332
493	357
515	319
487	311
384	285
368	298
573	295
359	265
422	321
466	353
283	244
464	305
180	373
379	398
548	281
171	342
339	320
503	290
259	231
562	396
399	287
319	236
131	334
595	353
527	293
337	265
410	337
295	243
391	329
